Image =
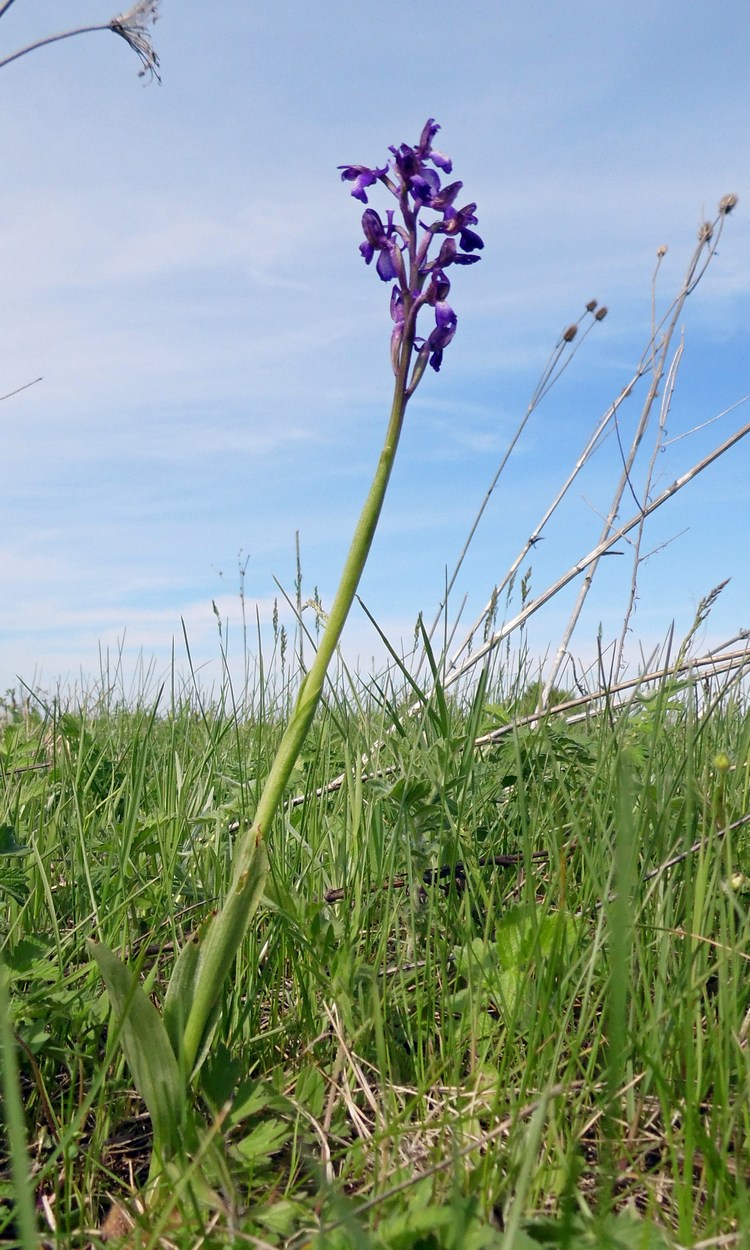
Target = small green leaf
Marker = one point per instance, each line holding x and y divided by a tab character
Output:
283	1217
31	950
310	1090
148	1052
629	1232
16	886
8	843
265	1140
220	1076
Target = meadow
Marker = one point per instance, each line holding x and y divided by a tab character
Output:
495	995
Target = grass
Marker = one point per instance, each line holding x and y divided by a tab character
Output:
495	996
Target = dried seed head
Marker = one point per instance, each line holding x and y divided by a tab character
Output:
570	333
133	27
705	232
600	313
662	251
727	204
591	305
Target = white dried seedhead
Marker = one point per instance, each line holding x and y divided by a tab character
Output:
133	27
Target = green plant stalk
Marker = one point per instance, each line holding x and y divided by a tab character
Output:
250	865
15	1126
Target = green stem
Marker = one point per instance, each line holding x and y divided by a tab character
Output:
250	864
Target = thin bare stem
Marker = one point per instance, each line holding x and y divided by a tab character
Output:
708	239
638	558
26	385
591	446
669	442
550	375
601	548
43	43
734	662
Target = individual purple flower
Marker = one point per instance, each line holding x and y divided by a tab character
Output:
424	186
448	255
383	240
438	290
423	183
362	177
457	222
445	327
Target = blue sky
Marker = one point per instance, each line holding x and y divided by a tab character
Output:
180	264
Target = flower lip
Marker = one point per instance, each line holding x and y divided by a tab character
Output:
387	265
471	241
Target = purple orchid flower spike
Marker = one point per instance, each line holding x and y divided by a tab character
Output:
402	246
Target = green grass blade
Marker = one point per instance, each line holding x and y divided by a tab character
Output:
14	1120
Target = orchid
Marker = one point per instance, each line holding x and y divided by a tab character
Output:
165	1049
413	178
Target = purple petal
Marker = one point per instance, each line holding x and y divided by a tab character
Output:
445	328
426	150
405	159
438	290
451	223
429	130
447	254
468	214
443	162
446	197
373	228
